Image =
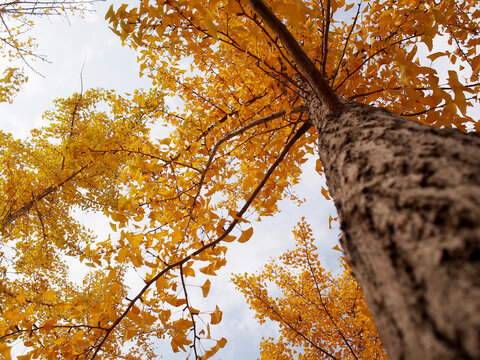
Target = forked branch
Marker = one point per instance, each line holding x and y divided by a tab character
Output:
313	76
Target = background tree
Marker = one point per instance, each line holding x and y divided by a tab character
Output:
320	316
72	164
254	106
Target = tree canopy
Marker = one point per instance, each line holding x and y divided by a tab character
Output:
235	148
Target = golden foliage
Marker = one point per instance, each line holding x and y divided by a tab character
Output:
320	316
234	149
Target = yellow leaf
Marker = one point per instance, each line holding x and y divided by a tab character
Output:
220	344
233	7
164	316
336	247
161	284
109	13
179	341
165	141
219	228
211	26
122	254
148	319
49	295
130	334
47	327
330	219
283	182
58	341
457	87
229	238
246	235
208	270
135	317
216	316
179	302
475	65
436	55
206	288
78	335
194	311
5	351
13	315
325	193
135	240
318	167
188	271
20	298
137	258
182	324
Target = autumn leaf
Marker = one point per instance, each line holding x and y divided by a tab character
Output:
188	271
5	351
206	288
48	326
325	193
336	247
181	324
216	316
246	235
318	167
208	270
179	342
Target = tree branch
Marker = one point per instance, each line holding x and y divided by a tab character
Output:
326	29
298	134
313	76
12	216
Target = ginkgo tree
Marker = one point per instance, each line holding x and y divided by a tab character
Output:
269	84
321	316
71	164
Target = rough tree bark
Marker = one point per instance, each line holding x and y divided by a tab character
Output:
408	196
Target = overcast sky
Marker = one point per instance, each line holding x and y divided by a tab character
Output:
111	66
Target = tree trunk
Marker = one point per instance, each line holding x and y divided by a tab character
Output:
408	196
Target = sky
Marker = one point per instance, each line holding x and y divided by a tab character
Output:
88	43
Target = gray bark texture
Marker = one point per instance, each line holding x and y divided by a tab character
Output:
408	196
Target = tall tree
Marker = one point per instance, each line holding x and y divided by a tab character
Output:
255	103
